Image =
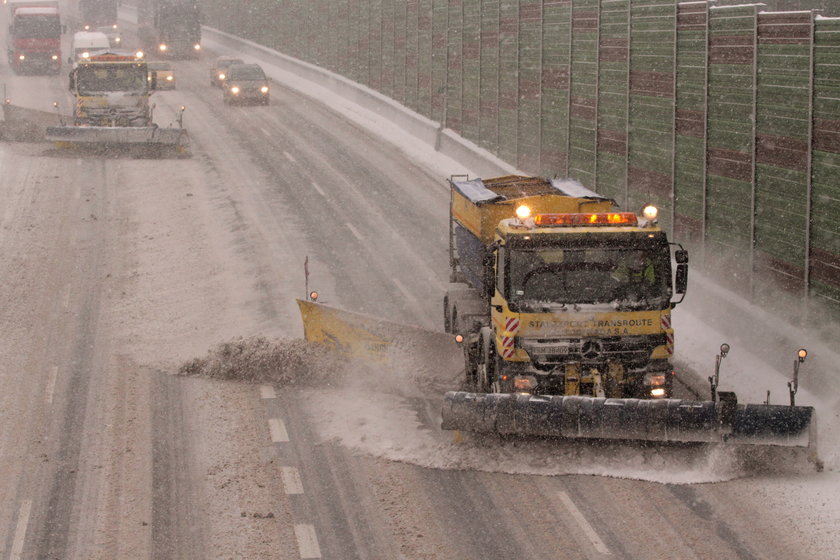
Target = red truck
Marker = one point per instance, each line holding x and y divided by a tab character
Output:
34	38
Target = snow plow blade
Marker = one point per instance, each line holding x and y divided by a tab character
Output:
664	420
176	138
378	341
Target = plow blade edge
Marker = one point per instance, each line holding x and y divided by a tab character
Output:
664	420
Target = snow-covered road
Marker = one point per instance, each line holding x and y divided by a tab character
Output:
117	271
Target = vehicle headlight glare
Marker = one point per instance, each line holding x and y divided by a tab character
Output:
234	90
264	89
655	380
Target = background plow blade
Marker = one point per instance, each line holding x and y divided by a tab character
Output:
117	135
665	420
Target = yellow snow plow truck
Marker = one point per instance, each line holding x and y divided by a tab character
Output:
112	107
563	306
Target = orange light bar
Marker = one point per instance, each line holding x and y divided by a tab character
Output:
113	58
598	219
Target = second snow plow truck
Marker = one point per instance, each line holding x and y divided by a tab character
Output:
563	305
112	107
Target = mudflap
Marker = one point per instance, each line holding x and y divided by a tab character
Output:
663	420
173	140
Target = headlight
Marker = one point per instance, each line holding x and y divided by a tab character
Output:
55	57
21	57
234	90
524	383
659	392
264	89
169	78
162	47
655	380
197	47
117	39
221	76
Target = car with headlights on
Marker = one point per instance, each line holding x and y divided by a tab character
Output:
165	74
218	73
246	82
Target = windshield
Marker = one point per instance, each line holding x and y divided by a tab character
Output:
128	78
636	277
38	26
226	63
247	73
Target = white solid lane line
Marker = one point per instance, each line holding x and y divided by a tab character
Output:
278	430
584	524
307	541
267	392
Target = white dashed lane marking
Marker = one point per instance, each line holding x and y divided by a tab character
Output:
20	530
584	524
278	430
267	392
51	384
307	541
317	188
355	232
291	480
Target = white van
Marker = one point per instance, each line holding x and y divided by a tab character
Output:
86	42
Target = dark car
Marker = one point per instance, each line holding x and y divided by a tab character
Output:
219	71
246	82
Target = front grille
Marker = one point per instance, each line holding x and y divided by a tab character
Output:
632	351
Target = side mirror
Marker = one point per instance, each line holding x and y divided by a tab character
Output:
681	280
681	256
153	80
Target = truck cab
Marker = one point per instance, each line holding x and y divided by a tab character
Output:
557	292
112	89
34	38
